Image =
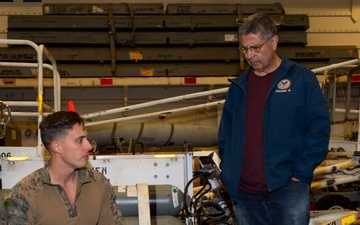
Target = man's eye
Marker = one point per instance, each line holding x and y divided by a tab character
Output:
257	49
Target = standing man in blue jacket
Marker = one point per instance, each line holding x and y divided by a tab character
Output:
274	131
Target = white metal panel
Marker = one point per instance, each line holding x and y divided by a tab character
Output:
18	151
150	169
122	170
349	146
12	172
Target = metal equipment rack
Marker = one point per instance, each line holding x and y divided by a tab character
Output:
40	52
15	169
149	40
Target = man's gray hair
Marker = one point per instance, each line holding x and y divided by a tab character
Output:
258	22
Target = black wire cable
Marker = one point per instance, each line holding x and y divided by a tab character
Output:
215	216
201	211
201	191
187	213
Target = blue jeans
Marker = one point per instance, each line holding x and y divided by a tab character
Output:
285	206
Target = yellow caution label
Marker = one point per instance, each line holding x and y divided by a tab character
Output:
135	55
147	72
165	156
348	220
18	158
40	102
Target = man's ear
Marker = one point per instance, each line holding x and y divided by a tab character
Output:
55	146
275	42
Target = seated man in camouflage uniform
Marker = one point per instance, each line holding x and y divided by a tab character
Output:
64	191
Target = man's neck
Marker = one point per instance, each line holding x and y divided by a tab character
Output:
64	176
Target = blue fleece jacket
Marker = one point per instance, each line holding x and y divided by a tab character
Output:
296	128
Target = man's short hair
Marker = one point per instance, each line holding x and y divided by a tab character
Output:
57	125
258	22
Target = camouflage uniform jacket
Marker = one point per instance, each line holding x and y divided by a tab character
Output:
34	200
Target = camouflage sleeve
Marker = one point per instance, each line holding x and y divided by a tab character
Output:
15	209
110	212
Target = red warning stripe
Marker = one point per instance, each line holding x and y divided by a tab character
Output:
106	81
190	80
